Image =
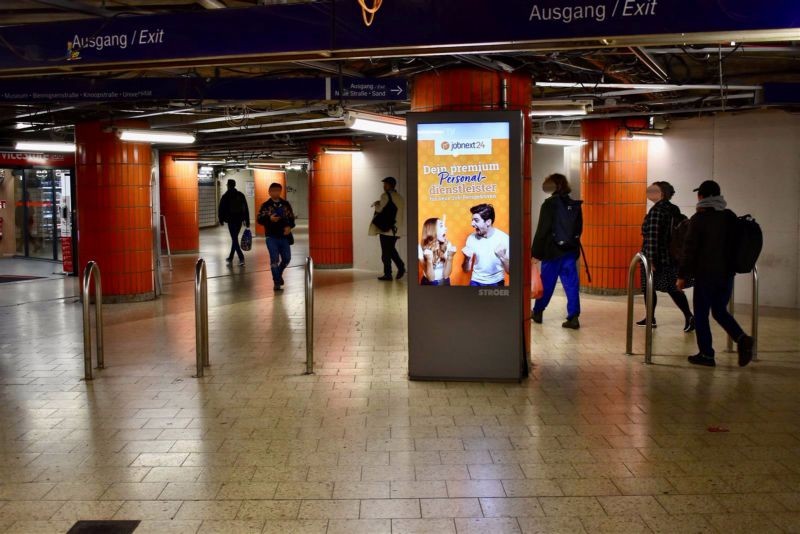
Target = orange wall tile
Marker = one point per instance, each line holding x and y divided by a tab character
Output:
179	201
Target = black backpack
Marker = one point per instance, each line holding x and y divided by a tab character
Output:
386	219
565	226
678	228
746	243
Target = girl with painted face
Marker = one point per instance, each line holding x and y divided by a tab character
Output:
435	253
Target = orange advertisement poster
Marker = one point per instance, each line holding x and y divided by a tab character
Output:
463	191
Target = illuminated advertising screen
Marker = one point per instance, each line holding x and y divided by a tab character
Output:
463	193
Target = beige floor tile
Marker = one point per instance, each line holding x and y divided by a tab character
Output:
587	486
247	490
631	505
150	510
173	474
538	487
287	509
550	525
401	489
29	510
304	490
361	490
790	500
25	492
38	527
190	491
388	473
487	525
643	486
76	510
445	508
168	527
228	526
571	506
495	472
296	526
423	526
511	507
744	523
134	491
628	524
329	509
678	524
788	521
209	510
390	508
442	472
690	504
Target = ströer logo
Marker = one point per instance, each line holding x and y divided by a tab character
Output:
445	145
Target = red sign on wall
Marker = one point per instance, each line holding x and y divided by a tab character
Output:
36	159
66	254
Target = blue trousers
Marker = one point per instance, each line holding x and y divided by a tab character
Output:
566	268
713	296
280	254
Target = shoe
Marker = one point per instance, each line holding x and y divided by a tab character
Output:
536	317
241	262
689	325
277	288
643	323
745	349
281	282
386	278
571	322
228	260
400	272
702	359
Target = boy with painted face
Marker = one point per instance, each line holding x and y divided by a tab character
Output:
486	250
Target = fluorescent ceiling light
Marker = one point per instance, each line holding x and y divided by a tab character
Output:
645	135
375	123
550	111
22	125
45	146
558	140
341	149
153	136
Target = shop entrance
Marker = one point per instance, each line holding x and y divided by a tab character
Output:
42	201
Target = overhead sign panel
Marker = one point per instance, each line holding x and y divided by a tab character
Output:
367	89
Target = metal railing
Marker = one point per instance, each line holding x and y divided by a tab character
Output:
753	316
166	240
648	298
309	286
92	270
201	315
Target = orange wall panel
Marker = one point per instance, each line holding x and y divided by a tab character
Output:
179	201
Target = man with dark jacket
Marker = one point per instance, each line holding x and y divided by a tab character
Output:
277	217
558	260
234	211
707	257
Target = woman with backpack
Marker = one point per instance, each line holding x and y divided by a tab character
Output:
657	230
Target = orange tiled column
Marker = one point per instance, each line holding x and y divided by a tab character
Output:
114	213
330	205
479	90
613	183
264	177
179	201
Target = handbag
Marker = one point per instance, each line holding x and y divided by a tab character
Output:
537	289
247	240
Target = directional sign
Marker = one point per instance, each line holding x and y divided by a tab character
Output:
366	89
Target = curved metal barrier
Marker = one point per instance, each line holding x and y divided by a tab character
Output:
648	339
753	315
92	270
166	239
309	287
201	315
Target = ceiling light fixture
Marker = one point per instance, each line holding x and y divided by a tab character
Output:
375	123
545	108
341	149
151	136
551	111
558	140
44	146
645	135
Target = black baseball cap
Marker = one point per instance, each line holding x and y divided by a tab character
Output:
231	182
709	188
390	180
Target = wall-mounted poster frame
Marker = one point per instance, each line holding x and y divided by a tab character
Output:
465	213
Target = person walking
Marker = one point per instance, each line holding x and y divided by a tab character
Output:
556	244
277	217
656	233
233	210
387	224
706	256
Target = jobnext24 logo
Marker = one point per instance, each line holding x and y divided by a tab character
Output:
457	147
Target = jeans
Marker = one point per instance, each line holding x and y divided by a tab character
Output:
713	296
280	254
234	229
566	268
501	283
389	254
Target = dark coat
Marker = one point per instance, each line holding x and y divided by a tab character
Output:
233	208
544	246
706	251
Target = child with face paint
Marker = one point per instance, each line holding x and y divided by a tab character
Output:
557	260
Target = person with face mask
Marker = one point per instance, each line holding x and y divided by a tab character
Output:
556	244
656	233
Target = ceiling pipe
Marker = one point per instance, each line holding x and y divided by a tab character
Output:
646	113
77	6
274	113
657	86
212	4
648	61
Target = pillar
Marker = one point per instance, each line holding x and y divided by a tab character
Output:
330	205
264	177
480	90
114	211
179	201
613	184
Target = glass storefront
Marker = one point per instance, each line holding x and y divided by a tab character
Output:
39	201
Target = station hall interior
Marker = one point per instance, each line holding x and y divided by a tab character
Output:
224	406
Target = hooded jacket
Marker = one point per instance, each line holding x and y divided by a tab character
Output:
706	253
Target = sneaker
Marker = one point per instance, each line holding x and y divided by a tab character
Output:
571	322
702	359
643	323
277	288
386	278
401	271
281	282
241	262
745	349
229	260
689	324
536	317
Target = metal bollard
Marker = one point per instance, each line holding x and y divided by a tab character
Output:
201	315
309	286
92	270
648	340
753	315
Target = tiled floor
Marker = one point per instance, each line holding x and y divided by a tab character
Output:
594	441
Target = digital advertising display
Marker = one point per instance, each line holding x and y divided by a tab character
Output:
465	228
463	204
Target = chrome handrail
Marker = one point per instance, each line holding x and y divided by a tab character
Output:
92	270
201	316
648	340
309	294
753	314
166	239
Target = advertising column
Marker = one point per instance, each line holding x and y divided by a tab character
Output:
465	229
